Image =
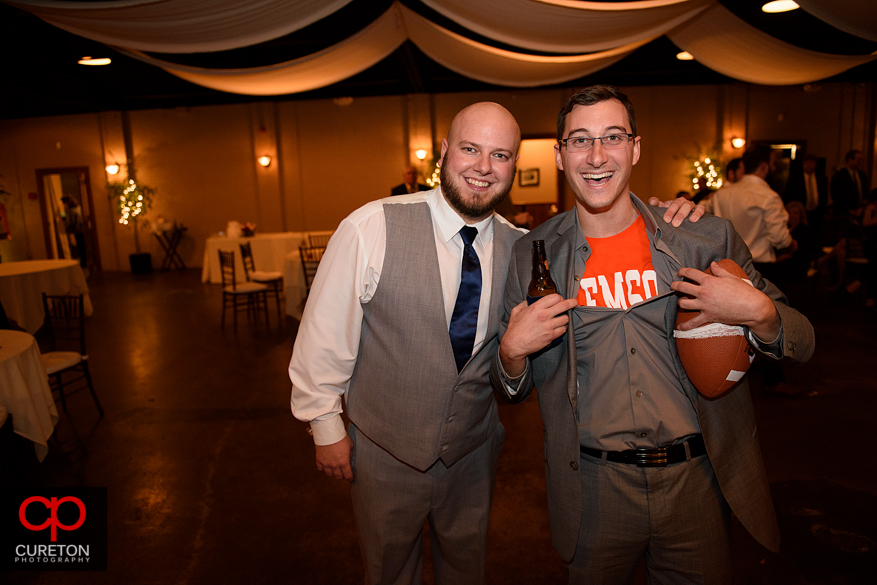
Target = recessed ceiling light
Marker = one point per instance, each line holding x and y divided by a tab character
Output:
685	56
92	61
779	6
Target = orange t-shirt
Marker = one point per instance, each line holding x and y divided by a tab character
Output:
619	272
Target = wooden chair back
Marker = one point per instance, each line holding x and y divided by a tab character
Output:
226	263
247	259
318	240
310	260
65	319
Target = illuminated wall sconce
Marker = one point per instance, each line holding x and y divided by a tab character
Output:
95	61
420	154
685	56
264	160
737	142
113	169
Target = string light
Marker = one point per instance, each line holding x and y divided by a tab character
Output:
131	202
705	169
435	179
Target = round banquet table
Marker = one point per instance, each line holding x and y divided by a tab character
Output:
22	284
24	389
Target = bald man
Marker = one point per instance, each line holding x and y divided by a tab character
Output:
409	183
402	321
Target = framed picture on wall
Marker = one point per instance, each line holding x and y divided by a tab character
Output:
528	177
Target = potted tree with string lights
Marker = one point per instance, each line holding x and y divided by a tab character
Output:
132	200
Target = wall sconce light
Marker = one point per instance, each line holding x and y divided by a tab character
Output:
95	61
737	142
420	154
685	56
112	169
264	160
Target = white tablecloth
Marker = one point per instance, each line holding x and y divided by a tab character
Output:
294	288
268	253
24	389
22	284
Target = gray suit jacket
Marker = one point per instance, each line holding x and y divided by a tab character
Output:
727	422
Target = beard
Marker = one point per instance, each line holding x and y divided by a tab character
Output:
475	208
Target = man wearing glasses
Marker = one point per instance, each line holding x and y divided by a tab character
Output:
638	464
402	321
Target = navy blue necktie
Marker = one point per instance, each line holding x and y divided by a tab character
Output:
464	321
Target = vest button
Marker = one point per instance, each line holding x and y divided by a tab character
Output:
574	465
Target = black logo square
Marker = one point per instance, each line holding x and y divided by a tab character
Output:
53	529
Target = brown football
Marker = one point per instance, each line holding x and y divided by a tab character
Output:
715	356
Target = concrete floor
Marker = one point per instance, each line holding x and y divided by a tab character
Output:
211	480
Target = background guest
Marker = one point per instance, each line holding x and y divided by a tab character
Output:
809	185
74	225
409	183
849	184
734	171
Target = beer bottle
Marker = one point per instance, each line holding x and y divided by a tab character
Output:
541	284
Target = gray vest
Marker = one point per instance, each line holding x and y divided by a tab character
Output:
405	393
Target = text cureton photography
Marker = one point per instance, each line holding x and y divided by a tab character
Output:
53	529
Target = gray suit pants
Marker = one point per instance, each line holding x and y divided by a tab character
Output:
392	500
674	517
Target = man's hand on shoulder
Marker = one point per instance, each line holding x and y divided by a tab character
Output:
678	210
334	459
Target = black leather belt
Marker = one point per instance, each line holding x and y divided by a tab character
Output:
660	457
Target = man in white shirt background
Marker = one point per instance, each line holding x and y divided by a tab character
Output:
756	211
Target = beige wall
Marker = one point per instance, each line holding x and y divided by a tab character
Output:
329	158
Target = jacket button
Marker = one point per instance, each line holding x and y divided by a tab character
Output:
574	465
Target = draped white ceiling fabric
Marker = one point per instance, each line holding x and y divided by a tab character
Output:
500	67
562	26
347	58
182	26
857	17
381	38
726	44
584	37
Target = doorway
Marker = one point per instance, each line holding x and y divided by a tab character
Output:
785	155
67	210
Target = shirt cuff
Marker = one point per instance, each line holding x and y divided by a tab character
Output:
511	383
773	348
329	430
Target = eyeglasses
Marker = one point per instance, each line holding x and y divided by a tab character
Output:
609	142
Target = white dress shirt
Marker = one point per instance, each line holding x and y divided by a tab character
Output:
327	343
758	215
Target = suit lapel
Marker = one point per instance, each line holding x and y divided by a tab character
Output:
561	248
502	251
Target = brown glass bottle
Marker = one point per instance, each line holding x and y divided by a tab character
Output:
541	284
